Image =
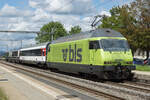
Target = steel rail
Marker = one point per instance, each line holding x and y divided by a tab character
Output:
76	86
128	86
138	84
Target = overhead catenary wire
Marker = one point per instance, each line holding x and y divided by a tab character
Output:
37	32
12	42
92	17
99	4
4	46
60	8
10	31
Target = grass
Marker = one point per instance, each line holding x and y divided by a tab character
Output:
143	68
3	96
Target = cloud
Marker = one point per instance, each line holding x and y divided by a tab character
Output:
40	16
14	45
68	12
64	6
10	11
37	3
105	13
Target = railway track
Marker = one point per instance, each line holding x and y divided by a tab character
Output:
144	85
134	89
130	85
73	85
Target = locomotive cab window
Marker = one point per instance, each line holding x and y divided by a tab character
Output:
94	45
114	45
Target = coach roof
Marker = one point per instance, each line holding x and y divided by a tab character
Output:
35	46
89	34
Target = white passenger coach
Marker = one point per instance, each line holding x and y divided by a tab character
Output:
34	55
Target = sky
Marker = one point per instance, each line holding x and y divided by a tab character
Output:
31	15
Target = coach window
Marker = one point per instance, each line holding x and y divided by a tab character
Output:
94	45
28	53
36	52
39	52
22	53
33	53
14	53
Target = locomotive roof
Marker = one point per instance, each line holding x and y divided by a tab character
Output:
89	34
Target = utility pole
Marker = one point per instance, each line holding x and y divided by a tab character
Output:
11	44
21	44
7	48
52	32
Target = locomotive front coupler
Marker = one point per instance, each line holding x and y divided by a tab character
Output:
120	70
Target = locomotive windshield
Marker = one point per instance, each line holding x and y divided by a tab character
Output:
114	45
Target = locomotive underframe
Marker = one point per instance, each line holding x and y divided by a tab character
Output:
102	72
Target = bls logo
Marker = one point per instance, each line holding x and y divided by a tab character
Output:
74	54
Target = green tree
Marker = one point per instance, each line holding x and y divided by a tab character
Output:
75	30
133	21
55	28
123	21
141	10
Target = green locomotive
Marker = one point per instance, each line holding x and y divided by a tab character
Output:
102	52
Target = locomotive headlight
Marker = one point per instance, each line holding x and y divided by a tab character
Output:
129	62
107	62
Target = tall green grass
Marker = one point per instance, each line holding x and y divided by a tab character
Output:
143	68
3	96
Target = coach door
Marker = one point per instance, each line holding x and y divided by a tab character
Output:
93	46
